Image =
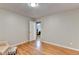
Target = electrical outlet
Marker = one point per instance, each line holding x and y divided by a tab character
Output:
70	43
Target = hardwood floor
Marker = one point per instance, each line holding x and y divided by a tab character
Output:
41	48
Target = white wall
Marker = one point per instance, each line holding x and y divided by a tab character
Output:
13	27
62	28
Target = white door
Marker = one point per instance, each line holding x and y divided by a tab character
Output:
32	28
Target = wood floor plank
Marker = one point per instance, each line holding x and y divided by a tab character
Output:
42	48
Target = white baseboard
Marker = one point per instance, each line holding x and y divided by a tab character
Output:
48	43
61	45
20	43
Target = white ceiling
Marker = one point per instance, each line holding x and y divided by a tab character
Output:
43	10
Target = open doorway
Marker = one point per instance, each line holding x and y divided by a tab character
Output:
38	29
35	33
35	30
